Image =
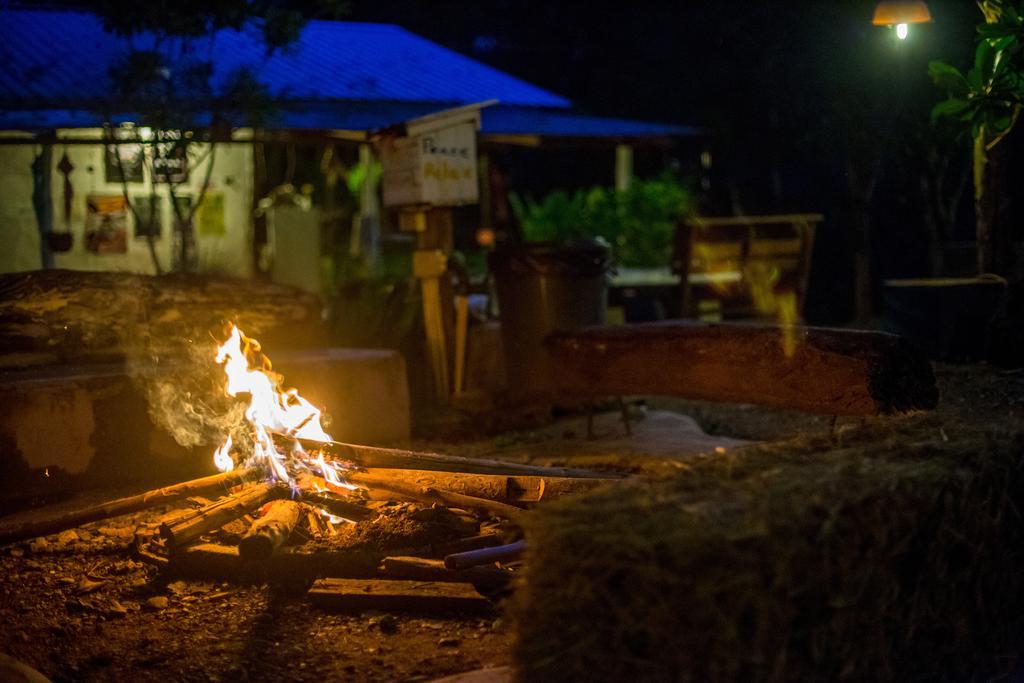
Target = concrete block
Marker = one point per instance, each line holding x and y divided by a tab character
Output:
95	420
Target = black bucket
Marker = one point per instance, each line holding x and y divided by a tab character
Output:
543	287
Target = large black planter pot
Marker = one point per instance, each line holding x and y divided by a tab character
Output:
949	318
543	287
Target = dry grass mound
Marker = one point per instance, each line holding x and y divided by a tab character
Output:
897	554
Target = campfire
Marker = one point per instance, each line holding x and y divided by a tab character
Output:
292	504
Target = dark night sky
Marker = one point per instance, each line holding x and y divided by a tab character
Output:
802	99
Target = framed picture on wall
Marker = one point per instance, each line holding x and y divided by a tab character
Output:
149	215
106	224
132	157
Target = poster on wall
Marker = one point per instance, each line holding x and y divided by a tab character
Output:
210	215
106	224
131	161
170	161
149	216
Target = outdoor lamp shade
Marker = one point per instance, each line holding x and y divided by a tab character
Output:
893	12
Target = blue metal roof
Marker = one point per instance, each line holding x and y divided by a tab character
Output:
62	56
370	116
54	67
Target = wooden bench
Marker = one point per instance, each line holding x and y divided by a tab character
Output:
745	266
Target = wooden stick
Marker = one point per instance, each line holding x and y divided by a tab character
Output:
490	507
461	545
123	506
475	558
269	532
404	596
217	514
506	489
371	456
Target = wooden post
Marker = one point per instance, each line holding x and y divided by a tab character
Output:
430	266
623	167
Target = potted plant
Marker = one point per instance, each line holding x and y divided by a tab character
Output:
554	274
952	316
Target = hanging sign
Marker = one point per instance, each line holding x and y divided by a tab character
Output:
434	162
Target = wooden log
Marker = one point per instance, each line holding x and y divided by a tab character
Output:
490	507
423	569
123	506
269	532
394	458
505	489
63	316
293	565
818	370
338	507
217	514
476	558
399	596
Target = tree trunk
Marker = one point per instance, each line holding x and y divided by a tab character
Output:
818	370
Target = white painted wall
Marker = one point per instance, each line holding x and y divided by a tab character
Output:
19	235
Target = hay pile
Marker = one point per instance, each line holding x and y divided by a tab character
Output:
897	554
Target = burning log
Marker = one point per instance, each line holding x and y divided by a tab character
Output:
394	458
422	569
216	514
505	489
475	558
404	596
123	506
819	370
338	507
269	532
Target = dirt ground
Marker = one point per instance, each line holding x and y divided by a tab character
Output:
81	606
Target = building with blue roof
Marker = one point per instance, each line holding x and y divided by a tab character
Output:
332	89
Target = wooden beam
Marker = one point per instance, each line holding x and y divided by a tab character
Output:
818	370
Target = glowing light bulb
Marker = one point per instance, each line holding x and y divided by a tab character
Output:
902	30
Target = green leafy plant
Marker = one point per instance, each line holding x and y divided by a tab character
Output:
987	102
639	222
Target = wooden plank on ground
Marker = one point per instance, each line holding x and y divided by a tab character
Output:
398	596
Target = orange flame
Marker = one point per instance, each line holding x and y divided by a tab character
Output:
272	411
